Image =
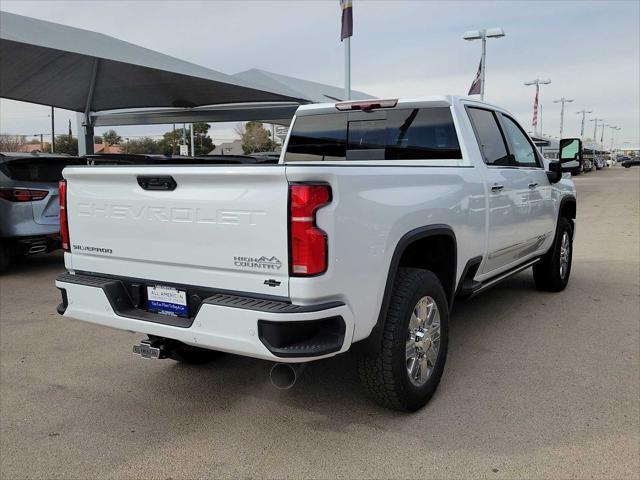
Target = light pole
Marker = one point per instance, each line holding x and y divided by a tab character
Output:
584	113
595	127
562	101
537	115
483	35
595	133
41	140
613	130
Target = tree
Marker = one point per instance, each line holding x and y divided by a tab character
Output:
173	138
66	144
255	138
11	143
143	145
170	141
112	137
201	138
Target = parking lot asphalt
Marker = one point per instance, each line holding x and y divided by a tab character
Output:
537	385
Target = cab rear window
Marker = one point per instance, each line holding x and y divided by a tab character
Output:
399	134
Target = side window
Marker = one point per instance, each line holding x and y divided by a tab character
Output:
489	137
523	151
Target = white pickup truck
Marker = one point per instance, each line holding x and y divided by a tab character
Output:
377	215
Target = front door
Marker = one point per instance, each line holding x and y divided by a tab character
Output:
542	217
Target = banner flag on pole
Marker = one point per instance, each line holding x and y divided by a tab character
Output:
534	120
347	19
476	86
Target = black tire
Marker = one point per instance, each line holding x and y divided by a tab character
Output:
4	258
547	273
384	373
192	355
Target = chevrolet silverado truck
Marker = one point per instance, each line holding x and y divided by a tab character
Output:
375	218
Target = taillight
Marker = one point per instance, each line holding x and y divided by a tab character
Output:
22	194
308	242
64	225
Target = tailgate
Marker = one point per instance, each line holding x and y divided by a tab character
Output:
221	227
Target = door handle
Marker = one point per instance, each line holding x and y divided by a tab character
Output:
165	182
496	188
533	185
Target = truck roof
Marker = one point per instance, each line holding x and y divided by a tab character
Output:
409	102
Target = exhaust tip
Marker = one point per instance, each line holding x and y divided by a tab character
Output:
283	376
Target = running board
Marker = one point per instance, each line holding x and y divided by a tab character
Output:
478	287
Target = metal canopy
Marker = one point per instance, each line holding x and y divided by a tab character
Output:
110	82
51	64
279	113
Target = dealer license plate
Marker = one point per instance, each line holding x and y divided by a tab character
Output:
167	301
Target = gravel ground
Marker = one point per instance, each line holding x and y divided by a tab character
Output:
537	385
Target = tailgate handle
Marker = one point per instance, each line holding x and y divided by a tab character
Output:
165	182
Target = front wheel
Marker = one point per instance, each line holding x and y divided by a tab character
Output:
552	273
406	368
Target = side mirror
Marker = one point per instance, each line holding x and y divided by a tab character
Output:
570	155
554	174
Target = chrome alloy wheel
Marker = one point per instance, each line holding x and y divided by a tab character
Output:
423	341
565	250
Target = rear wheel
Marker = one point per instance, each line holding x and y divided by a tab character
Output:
404	372
552	273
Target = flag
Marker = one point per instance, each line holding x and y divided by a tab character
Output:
476	86
70	134
347	19
534	120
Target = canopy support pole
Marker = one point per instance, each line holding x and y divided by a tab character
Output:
85	135
85	125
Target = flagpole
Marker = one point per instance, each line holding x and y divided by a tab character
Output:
347	68
539	114
484	54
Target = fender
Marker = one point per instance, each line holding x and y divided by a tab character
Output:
563	201
375	337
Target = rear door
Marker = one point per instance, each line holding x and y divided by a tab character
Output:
508	191
219	226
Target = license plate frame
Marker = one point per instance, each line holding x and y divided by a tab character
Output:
167	300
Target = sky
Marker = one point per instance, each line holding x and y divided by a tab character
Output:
590	51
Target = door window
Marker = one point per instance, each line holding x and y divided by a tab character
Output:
523	151
489	137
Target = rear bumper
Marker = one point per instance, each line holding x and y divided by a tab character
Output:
265	329
33	244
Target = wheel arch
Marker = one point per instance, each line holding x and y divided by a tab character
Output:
567	209
408	253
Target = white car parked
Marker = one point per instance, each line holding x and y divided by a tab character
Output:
377	216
